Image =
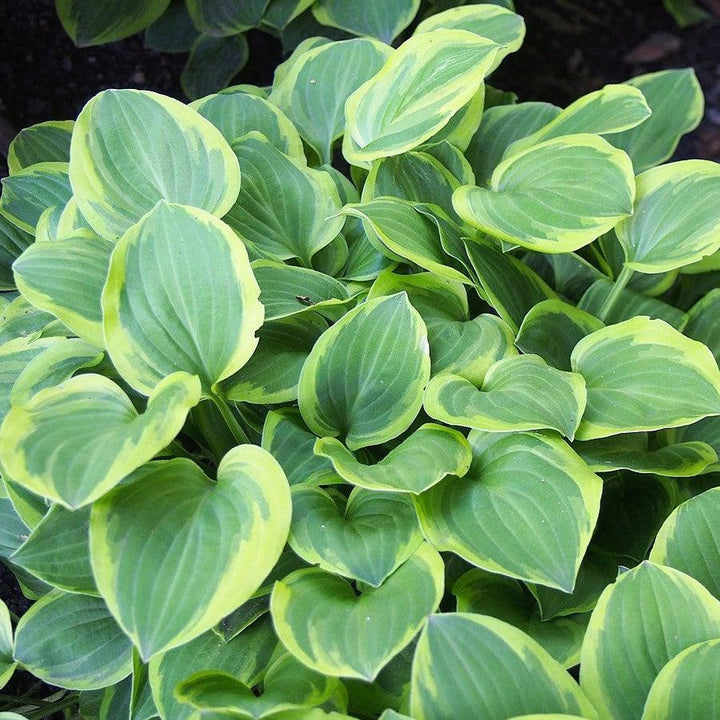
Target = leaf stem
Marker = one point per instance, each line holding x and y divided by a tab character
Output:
620	284
47	710
230	420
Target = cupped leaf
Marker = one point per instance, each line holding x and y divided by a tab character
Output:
423	84
92	23
685	191
686	687
286	290
133	148
288	440
238	113
245	657
206	545
331	629
57	551
30	191
552	329
314	90
526	508
416	464
367	539
689	540
487	20
75	441
676	100
284	209
642	374
44	142
384	21
641	622
364	378
554	197
470	665
180	294
72	641
611	109
478	591
212	64
520	392
66	278
631	452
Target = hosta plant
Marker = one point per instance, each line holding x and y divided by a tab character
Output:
379	395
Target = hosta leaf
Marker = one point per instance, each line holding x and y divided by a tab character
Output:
526	508
677	105
13	241
75	441
280	13
66	278
686	192
493	22
419	462
286	290
245	656
611	109
72	641
404	234
212	64
44	142
366	540
503	598
459	131
313	92
171	517
289	441
273	372
30	191
642	374
133	148
641	622
686	687
20	319
688	540
221	17
423	84
236	114
364	378
556	196
384	21
57	551
7	664
285	209
180	294
331	629
520	392
702	322
551	330
288	685
631	452
501	126
92	23
172	32
470	665
706	431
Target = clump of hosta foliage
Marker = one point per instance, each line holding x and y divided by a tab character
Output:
409	441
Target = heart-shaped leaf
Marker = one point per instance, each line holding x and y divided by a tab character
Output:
422	85
367	539
44	142
642	374
331	629
520	392
133	148
364	377
416	464
642	621
207	545
477	666
180	295
554	197
72	641
526	508
384	21
75	441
